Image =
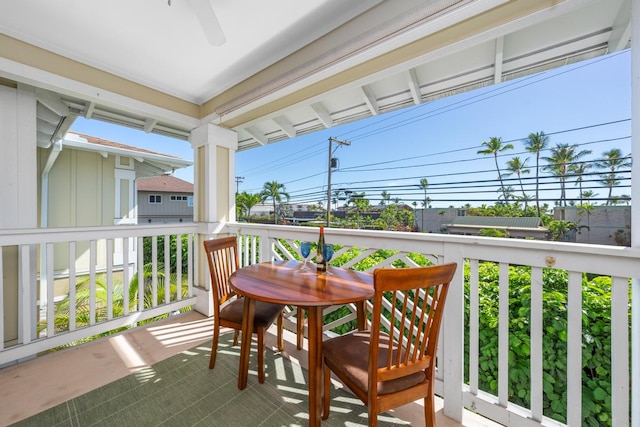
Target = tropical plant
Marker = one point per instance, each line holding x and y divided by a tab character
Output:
562	156
386	196
424	184
579	169
612	160
246	202
493	147
518	167
537	143
586	208
276	192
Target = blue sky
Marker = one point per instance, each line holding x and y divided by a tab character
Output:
588	104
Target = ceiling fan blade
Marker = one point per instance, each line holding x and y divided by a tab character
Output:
208	21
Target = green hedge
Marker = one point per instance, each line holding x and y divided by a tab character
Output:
596	343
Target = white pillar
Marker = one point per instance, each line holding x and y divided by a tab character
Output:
19	195
635	209
214	195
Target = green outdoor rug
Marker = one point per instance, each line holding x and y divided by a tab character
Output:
182	391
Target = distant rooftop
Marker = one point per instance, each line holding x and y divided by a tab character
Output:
498	221
165	184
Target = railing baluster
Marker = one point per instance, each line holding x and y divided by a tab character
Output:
92	282
125	276
140	267
110	279
72	286
28	318
178	267
154	271
574	349
474	325
167	268
192	265
536	344
620	351
503	335
49	305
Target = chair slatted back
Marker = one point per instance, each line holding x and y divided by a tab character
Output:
414	304
222	257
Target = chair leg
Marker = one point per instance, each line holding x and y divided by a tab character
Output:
326	391
300	327
429	409
235	337
260	332
373	416
280	328
214	346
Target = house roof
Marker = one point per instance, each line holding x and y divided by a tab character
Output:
165	184
497	222
286	67
146	163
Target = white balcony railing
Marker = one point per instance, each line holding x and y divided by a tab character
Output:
50	301
551	312
490	360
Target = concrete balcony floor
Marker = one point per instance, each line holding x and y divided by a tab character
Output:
34	386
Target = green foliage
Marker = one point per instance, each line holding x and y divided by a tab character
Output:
147	250
492	232
596	350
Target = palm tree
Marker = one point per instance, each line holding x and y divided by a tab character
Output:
517	166
613	160
536	143
386	196
424	184
562	156
275	191
579	169
493	147
247	201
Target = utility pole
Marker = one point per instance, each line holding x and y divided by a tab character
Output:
239	180
337	141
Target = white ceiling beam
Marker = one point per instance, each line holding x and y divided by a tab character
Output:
414	86
621	33
52	102
257	135
149	124
370	100
286	126
89	109
498	60
322	114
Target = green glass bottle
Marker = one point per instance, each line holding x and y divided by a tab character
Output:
321	265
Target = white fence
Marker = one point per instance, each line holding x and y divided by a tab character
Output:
31	301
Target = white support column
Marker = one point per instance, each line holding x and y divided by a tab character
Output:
635	209
214	195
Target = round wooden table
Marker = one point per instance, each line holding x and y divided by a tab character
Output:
282	282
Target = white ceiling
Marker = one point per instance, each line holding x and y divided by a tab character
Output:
164	47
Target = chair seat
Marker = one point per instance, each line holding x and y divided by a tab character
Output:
265	313
350	354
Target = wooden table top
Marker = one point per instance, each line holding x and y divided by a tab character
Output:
282	282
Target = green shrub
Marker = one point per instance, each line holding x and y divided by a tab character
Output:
596	348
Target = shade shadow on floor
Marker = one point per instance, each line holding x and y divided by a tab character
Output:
182	391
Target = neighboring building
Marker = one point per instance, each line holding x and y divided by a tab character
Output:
515	227
164	199
603	225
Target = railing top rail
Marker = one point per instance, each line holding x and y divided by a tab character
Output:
27	236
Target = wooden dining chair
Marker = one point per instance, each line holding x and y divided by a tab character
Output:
393	364
228	307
